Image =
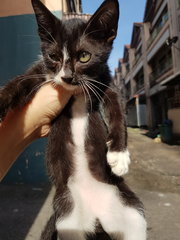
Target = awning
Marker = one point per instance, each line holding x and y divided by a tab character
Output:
172	79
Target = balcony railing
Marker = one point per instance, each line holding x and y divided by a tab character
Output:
138	87
137	57
158	72
157	30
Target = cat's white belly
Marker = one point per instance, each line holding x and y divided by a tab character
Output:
94	200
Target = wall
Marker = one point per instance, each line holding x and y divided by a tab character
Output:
19	7
19	48
174	116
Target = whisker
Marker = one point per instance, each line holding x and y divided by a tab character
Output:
99	97
95	92
92	80
82	86
101	91
87	90
24	78
37	87
32	76
48	40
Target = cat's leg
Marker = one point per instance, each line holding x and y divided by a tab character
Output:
128	225
99	236
18	92
49	232
118	155
76	225
70	228
123	222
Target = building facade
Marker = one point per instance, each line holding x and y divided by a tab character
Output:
151	67
19	48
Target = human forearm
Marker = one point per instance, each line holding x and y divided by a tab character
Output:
14	137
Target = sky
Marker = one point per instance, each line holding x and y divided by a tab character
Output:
130	11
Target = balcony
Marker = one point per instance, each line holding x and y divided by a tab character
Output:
138	87
137	57
128	91
159	26
158	72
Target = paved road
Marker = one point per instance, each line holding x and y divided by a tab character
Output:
154	175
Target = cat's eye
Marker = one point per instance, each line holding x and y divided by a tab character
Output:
84	57
53	57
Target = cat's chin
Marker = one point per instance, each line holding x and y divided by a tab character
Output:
67	86
76	89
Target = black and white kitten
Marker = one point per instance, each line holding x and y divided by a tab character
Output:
91	201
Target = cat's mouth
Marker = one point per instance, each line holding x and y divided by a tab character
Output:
69	80
68	83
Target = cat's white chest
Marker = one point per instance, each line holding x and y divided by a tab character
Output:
79	126
79	123
87	192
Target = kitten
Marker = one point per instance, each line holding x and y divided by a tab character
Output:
91	201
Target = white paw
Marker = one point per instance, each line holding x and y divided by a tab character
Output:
119	162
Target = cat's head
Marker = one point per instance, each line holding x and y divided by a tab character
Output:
75	51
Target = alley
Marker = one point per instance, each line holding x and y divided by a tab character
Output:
154	175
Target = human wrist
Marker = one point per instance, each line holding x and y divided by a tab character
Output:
13	140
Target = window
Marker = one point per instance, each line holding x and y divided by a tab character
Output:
159	25
160	64
128	91
178	3
139	81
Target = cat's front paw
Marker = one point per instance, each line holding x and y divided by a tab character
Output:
119	162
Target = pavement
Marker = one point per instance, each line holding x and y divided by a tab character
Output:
154	175
155	166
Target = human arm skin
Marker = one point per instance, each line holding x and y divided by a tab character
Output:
22	126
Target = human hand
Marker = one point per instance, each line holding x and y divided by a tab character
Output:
23	125
44	107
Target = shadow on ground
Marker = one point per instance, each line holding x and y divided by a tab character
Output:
19	207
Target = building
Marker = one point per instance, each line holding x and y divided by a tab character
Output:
151	67
20	47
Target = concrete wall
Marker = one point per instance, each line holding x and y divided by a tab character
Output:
19	7
19	45
174	116
19	41
174	12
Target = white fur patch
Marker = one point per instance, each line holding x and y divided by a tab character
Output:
65	55
64	72
119	162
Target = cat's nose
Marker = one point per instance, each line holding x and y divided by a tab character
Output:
67	79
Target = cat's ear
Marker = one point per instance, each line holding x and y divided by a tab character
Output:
46	21
104	23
